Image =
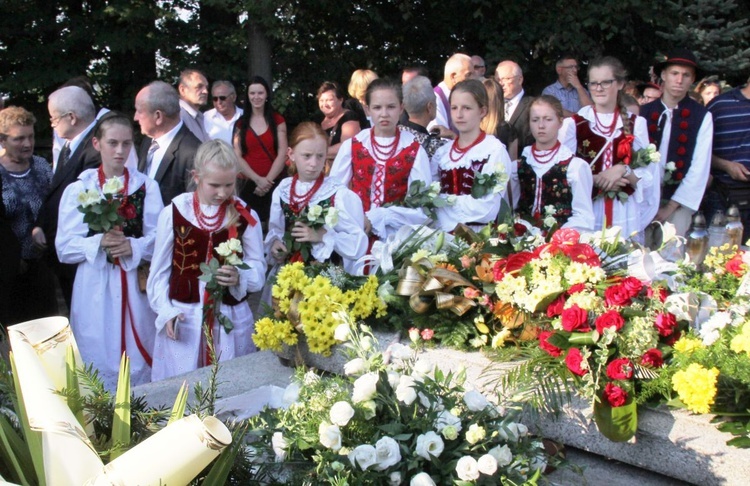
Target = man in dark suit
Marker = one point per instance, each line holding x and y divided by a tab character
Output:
73	117
168	149
510	77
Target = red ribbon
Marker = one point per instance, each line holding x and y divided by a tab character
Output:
244	212
126	311
625	149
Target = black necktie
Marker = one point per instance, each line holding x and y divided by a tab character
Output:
64	156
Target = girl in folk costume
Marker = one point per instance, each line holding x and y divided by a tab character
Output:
109	313
458	164
296	232
380	163
606	136
549	181
189	232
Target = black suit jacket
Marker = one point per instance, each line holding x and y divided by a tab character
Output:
85	157
173	174
520	123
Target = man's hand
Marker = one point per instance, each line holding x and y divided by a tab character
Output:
737	171
38	239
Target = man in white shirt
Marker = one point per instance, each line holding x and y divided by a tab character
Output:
193	88
219	121
510	76
457	68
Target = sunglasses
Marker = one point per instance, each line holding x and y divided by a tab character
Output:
220	98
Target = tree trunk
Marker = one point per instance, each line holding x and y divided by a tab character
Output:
258	53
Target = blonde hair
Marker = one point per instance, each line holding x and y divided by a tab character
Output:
361	78
15	115
495	107
220	155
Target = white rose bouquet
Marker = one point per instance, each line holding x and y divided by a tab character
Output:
106	210
315	216
392	420
230	253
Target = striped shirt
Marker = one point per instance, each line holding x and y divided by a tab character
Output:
731	113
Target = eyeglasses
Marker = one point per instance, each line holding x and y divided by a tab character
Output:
220	98
53	121
479	67
601	85
574	66
506	79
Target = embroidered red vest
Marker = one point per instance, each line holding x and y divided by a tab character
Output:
556	191
459	181
590	144
397	170
190	248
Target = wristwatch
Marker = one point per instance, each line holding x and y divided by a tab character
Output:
628	171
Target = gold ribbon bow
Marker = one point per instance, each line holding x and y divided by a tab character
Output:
425	283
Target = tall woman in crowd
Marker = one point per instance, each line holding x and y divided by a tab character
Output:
110	314
339	123
28	289
380	163
548	181
474	152
607	136
189	232
494	122
341	236
260	144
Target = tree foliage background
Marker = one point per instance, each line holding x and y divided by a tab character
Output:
123	44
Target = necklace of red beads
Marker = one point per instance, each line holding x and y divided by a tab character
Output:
209	223
460	152
297	202
545	156
126	183
602	128
384	152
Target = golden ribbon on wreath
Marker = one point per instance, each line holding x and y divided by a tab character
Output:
425	283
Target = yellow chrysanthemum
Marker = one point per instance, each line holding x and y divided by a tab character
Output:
741	342
696	387
270	334
686	345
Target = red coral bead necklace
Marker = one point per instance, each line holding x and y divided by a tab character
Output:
460	152
299	201
205	222
545	156
384	152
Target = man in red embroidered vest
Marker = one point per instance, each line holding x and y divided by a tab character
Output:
683	131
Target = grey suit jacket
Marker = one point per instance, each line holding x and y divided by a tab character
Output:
520	123
173	174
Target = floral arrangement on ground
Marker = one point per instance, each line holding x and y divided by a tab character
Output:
393	419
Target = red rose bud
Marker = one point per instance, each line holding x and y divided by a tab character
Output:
552	350
683	125
573	361
665	323
575	319
556	307
652	358
632	285
615	396
611	318
685	113
617	296
620	369
520	229
574	289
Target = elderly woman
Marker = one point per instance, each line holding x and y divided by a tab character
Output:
339	123
25	184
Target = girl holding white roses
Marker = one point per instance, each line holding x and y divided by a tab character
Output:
474	169
314	217
110	314
209	226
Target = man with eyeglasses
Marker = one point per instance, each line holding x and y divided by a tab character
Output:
510	76
193	89
479	67
219	121
73	117
568	88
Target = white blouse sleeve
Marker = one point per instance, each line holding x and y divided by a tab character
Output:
71	242
276	224
347	237
644	193
581	183
143	247
515	184
387	221
253	278
567	135
157	287
341	169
